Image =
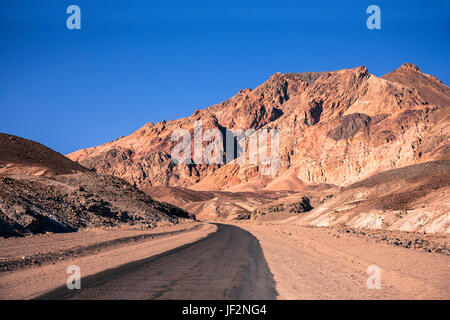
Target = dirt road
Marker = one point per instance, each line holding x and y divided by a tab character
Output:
93	251
246	260
228	264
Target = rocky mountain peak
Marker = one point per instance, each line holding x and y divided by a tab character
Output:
409	66
334	125
430	88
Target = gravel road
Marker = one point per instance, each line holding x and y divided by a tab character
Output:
228	264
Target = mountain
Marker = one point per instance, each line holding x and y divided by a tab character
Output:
345	126
335	128
43	191
429	87
22	156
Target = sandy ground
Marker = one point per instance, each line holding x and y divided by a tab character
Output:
320	263
32	281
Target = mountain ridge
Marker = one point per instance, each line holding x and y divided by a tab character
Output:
308	108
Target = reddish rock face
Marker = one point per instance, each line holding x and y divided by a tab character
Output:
429	87
335	128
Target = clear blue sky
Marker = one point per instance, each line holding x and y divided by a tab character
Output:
139	61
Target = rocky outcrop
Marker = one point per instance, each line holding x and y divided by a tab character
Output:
66	203
43	191
301	206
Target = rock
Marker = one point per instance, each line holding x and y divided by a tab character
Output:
334	127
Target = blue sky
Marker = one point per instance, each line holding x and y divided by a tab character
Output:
138	61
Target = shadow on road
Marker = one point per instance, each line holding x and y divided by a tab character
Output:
228	264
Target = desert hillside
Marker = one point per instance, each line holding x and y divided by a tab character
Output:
23	156
213	205
413	198
43	191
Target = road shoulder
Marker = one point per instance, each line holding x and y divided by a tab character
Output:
31	282
317	263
